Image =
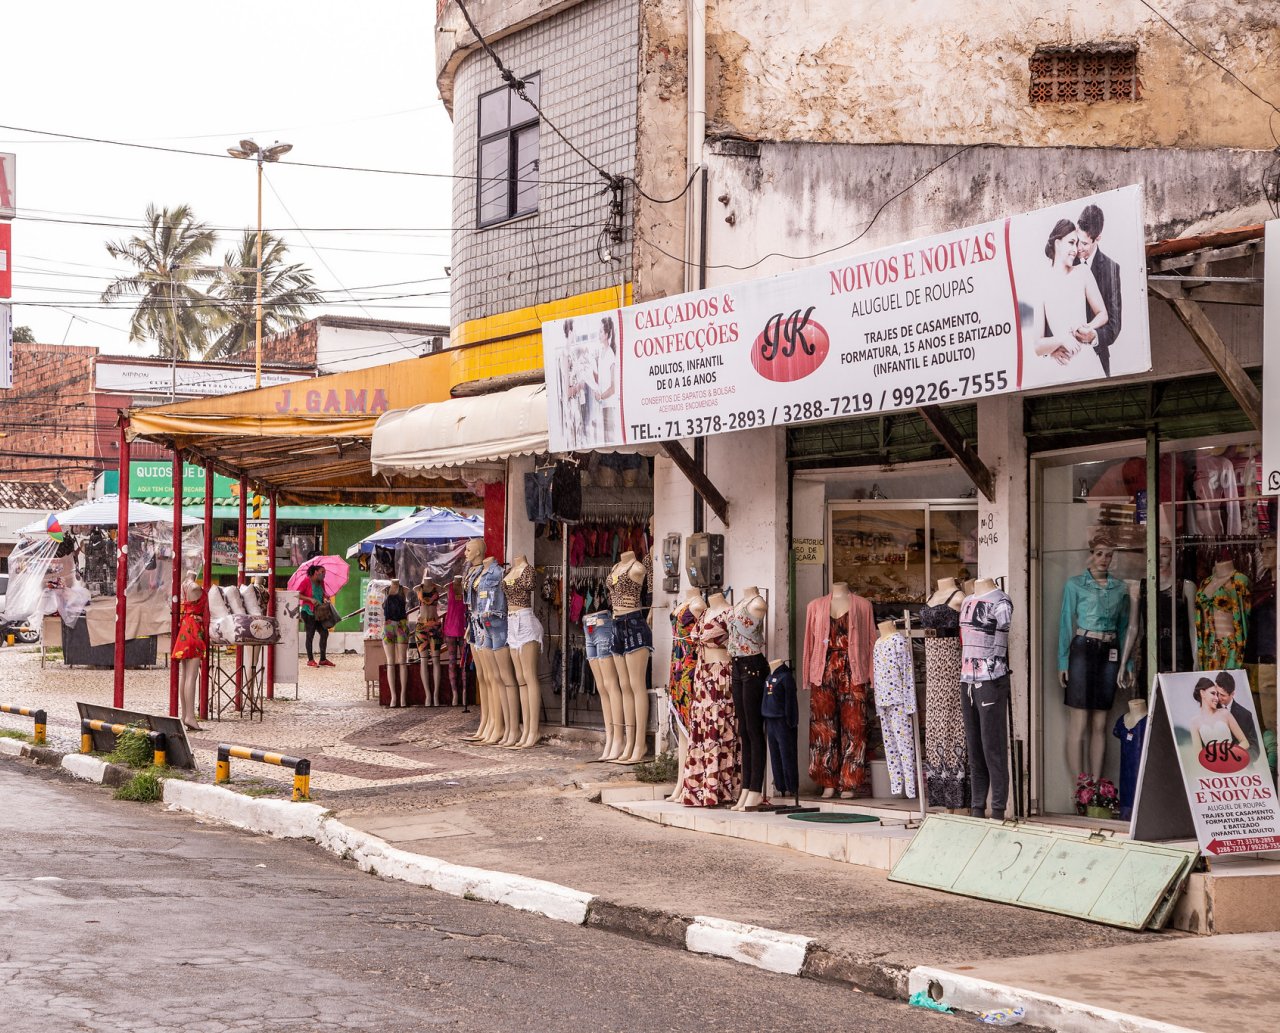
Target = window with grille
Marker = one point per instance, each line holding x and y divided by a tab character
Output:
1069	75
507	156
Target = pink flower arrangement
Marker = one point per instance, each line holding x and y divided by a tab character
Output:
1096	792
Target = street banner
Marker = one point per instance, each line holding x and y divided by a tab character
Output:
1271	363
1051	297
1204	736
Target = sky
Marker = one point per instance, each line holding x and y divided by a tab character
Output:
345	84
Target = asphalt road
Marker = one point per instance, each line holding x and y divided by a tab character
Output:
125	918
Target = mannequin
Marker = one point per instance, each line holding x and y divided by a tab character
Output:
895	691
1177	603
711	772
1131	730
490	714
748	672
632	644
395	639
1223	604
946	758
985	619
430	641
781	718
1092	630
838	639
190	647
684	658
504	691
524	642
598	628
454	634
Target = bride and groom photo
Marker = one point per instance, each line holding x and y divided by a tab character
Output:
1078	315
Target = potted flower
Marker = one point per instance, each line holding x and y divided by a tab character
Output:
1096	797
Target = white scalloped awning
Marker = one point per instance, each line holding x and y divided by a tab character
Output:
462	431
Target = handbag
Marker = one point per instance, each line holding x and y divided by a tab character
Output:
326	615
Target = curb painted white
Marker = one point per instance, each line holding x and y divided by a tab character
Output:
12	747
965	993
82	766
748	944
281	819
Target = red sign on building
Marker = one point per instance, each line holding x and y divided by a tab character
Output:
6	260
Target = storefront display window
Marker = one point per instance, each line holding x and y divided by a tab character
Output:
1213	581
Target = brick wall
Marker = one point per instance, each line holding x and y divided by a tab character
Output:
49	418
587	60
295	346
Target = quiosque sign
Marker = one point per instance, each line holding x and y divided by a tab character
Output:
1055	296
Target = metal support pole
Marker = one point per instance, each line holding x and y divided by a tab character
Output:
1152	615
240	551
257	351
176	600
206	580
122	563
564	625
273	501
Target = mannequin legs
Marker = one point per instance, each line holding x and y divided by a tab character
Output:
526	664
682	755
188	676
430	689
487	716
606	678
632	670
398	673
437	672
1086	741
507	690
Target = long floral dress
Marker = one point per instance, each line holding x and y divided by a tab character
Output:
838	719
684	659
1234	598
713	769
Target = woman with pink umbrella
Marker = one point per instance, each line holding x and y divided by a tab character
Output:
317	581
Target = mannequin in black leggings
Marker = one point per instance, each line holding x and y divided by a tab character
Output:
750	668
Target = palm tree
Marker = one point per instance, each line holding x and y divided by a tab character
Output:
286	291
172	308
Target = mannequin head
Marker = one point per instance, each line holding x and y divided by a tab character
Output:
474	551
394	588
1101	552
887	628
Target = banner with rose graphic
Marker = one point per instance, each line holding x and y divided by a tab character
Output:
1054	296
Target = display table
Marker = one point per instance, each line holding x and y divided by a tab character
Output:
76	651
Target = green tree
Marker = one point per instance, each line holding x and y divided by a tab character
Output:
23	335
287	288
168	259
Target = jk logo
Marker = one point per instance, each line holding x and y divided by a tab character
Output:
783	333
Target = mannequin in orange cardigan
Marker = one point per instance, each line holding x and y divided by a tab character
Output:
839	637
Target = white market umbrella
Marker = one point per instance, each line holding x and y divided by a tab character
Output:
105	512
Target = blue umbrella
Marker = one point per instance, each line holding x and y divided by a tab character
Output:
429	525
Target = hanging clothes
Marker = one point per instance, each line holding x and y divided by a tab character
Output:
684	659
1218	510
1234	598
946	759
895	693
838	716
712	766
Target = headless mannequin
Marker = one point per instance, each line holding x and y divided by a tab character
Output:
1136	712
946	588
490	713
505	690
697	606
525	663
398	663
1223	571
758	609
429	658
983	585
631	669
839	607
1087	729
189	670
887	629
1188	593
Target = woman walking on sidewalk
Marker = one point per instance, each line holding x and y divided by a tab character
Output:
314	602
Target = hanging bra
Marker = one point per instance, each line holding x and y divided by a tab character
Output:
746	634
624	594
942	620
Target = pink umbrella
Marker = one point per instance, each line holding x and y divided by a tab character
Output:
336	573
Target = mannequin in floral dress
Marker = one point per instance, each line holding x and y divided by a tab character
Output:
712	769
684	660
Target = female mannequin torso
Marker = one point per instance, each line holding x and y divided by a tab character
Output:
626	580
839	599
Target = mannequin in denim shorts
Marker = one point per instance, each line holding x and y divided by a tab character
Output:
490	710
632	644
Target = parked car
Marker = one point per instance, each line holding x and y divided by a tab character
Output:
20	630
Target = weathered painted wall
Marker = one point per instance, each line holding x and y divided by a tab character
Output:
938	71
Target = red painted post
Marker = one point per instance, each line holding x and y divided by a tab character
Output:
176	601
207	580
241	542
122	562
271	592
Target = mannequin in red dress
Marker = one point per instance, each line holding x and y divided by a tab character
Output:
190	647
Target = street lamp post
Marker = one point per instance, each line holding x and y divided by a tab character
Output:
249	149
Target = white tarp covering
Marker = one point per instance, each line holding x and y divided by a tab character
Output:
105	512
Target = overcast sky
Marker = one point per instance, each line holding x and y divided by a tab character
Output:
345	84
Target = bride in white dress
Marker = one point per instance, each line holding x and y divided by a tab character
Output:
1214	723
1062	323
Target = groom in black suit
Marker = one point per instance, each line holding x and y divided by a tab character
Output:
1227	684
1107	274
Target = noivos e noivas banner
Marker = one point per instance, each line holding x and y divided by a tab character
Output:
1050	297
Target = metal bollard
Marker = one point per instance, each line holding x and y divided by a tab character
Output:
40	718
159	744
301	767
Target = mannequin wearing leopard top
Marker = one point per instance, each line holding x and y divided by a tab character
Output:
946	758
632	644
524	640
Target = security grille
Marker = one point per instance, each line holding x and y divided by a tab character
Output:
1069	75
